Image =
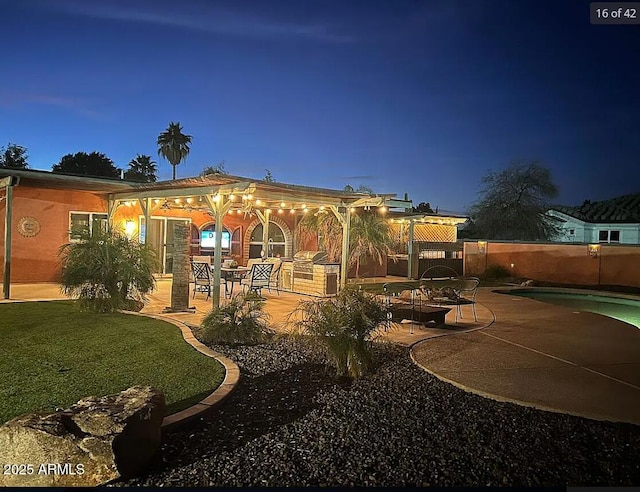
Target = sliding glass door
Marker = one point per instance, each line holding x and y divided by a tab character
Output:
161	239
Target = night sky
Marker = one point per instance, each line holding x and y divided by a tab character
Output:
422	97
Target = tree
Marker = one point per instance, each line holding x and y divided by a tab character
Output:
369	239
93	164
173	145
424	207
361	189
513	203
14	157
142	169
217	169
268	178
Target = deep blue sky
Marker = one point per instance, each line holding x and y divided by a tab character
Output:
423	97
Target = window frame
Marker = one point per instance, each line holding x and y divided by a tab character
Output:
91	220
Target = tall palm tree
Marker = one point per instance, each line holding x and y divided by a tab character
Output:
142	168
173	145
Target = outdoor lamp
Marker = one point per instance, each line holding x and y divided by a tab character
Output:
482	247
593	250
129	227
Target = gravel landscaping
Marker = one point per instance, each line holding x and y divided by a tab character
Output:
290	422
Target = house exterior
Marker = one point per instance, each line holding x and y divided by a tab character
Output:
614	221
44	211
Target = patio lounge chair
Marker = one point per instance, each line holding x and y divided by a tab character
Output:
258	277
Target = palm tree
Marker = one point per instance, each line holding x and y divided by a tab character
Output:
142	168
370	238
322	226
173	145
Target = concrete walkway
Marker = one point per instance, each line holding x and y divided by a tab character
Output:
546	356
520	350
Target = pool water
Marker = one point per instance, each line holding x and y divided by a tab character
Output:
627	310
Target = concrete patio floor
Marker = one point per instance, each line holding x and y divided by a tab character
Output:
520	350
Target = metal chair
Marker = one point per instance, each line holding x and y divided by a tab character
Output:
258	277
467	292
202	278
275	274
394	290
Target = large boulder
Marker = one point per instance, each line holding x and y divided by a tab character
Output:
95	441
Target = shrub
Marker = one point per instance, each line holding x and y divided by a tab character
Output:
496	271
345	324
107	271
239	321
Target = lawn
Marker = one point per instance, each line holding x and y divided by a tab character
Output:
52	355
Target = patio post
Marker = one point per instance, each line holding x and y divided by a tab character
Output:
219	206
112	205
6	281
145	205
345	220
410	271
265	231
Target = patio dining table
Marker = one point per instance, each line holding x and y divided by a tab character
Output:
231	276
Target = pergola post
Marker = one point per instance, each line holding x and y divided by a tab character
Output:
145	205
410	272
264	220
345	221
112	205
219	206
6	281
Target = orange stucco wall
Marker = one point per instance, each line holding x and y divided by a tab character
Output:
35	259
559	263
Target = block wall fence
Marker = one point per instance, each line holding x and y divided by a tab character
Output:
558	263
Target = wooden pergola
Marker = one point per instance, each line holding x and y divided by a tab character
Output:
218	194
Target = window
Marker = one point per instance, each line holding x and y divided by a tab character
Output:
609	236
81	222
572	232
276	241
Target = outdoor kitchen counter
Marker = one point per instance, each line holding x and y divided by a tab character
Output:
321	280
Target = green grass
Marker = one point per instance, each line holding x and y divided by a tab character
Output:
52	355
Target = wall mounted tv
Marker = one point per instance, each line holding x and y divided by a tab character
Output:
208	240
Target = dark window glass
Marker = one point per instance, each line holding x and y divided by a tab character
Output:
603	236
614	236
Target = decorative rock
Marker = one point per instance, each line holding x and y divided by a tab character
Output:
93	442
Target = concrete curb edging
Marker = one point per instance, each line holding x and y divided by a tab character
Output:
230	381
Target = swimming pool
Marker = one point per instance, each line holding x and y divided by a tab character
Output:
627	310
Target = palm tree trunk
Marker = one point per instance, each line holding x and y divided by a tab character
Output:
174	171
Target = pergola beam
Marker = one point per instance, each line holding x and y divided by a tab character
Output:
238	188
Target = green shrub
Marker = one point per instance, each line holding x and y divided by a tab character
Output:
239	321
345	325
107	271
496	271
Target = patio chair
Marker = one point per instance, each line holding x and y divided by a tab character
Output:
202	278
398	305
258	277
467	295
439	271
275	274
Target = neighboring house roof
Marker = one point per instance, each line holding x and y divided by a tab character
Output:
623	209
